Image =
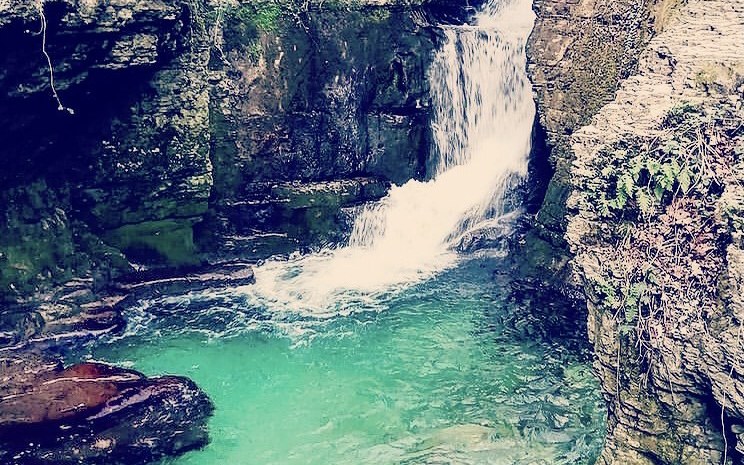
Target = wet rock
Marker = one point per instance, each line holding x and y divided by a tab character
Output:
94	413
341	98
77	313
52	324
345	192
77	322
490	234
280	217
178	281
18	324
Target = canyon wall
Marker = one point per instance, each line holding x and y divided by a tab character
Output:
649	178
179	132
578	54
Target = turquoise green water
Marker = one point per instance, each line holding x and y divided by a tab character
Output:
431	377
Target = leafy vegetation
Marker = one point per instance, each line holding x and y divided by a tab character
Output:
264	16
658	202
649	174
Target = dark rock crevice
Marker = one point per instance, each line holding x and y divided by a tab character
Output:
540	171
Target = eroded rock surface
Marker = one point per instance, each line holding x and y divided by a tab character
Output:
655	222
176	115
579	53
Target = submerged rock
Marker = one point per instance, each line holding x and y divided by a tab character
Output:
94	413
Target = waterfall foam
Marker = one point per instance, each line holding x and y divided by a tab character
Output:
483	114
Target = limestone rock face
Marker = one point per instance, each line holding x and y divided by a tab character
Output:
658	250
578	54
328	94
166	119
105	142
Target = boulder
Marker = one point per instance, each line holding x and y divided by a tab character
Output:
94	413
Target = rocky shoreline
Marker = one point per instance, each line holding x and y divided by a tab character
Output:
95	413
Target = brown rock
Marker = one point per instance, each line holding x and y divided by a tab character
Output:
94	413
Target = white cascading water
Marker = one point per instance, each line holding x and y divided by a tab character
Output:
482	125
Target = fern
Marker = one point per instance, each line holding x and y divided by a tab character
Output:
653	166
626	184
645	202
652	174
659	193
685	180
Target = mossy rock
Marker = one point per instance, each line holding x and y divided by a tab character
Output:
164	242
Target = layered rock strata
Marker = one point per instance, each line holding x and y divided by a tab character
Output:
654	219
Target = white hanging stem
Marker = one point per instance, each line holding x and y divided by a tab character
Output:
49	61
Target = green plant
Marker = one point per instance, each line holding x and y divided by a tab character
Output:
379	15
647	175
264	16
663	222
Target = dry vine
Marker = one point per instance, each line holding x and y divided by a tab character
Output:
43	33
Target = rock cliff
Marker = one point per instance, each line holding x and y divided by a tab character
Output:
145	139
312	109
167	133
653	219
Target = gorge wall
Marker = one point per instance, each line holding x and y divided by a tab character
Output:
643	112
168	135
189	132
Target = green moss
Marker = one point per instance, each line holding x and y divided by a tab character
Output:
32	255
264	16
36	242
169	242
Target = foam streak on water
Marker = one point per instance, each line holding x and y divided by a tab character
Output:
483	114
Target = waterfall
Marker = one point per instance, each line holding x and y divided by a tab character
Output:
483	114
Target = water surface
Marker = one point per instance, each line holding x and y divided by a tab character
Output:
430	376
